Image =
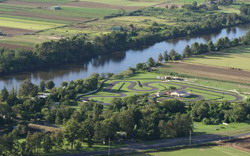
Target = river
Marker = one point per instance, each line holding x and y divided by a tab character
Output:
116	62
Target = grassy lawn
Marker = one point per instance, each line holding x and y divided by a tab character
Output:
237	57
232	128
204	151
79	12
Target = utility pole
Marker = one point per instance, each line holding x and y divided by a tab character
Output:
229	137
109	147
190	138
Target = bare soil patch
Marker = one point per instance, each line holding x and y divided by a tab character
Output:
242	144
32	4
211	72
44	128
52	17
14	46
102	5
14	31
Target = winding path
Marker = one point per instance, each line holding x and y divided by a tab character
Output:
182	87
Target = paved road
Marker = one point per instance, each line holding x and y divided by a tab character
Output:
182	87
135	147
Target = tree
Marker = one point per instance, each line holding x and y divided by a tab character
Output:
173	55
87	131
195	48
105	129
34	141
187	51
211	46
50	84
4	95
71	133
127	122
64	84
28	89
160	58
47	143
166	130
194	3
151	62
173	106
165	56
182	124
42	86
117	104
57	139
220	44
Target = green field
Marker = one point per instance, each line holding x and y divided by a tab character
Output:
204	151
231	129
237	57
26	24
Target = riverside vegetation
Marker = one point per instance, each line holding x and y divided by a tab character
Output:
189	21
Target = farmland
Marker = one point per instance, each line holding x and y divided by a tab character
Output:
41	20
31	17
237	57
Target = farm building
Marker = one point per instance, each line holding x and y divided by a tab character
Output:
180	94
169	78
159	94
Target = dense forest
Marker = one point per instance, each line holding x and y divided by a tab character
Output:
136	117
82	48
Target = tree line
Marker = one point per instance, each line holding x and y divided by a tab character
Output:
136	117
195	49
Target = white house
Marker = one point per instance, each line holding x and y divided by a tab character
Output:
180	94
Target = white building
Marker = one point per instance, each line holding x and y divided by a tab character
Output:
159	94
180	94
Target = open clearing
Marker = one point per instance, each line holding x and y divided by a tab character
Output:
237	57
204	151
218	73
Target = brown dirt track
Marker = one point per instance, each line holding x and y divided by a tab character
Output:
102	5
52	17
242	144
14	46
33	4
14	31
211	72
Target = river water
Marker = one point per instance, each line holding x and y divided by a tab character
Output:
117	62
